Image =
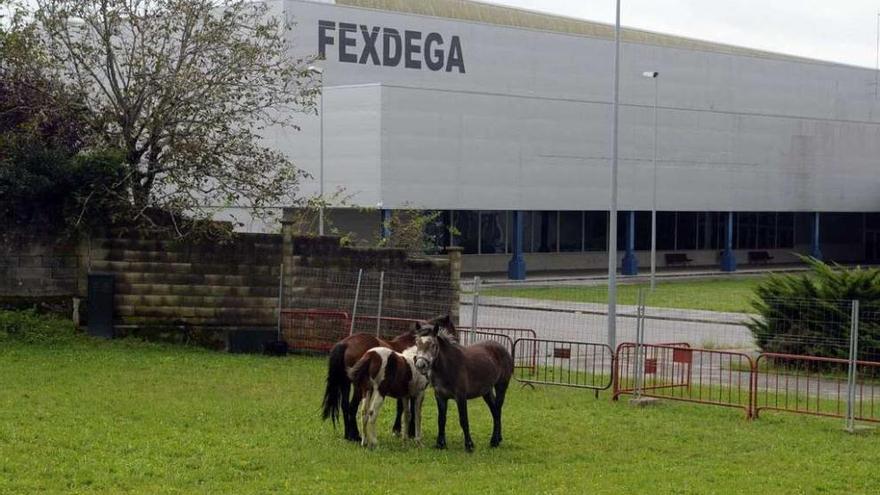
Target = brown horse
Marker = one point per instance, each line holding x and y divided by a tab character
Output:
482	370
382	373
344	354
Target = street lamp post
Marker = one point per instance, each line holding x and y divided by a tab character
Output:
612	213
317	70
655	76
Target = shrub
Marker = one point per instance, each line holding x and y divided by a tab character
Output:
809	314
32	328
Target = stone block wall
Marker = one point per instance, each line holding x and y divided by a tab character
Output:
321	274
169	286
40	267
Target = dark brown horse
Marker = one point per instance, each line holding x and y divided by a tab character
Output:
462	373
343	356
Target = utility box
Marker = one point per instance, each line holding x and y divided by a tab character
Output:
100	305
250	341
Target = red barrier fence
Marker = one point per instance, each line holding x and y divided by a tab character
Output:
810	385
567	363
680	373
314	329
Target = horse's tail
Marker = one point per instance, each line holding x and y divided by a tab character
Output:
359	373
337	383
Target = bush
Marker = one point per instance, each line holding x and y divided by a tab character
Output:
809	314
32	328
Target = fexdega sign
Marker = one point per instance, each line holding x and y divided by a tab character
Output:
387	47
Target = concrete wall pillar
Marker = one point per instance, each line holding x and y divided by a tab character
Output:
815	248
454	253
516	268
630	262
728	260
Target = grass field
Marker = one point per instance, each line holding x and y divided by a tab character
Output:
128	417
727	294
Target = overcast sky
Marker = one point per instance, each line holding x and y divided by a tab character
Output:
836	30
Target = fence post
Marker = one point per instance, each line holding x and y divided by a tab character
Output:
475	305
280	300
379	310
851	375
357	293
640	340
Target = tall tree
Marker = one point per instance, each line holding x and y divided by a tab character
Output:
184	88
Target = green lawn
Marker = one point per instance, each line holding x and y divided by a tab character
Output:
127	417
725	294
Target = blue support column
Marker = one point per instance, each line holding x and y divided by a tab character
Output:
516	268
815	250
384	227
630	262
728	260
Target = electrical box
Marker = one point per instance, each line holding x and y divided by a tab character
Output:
100	305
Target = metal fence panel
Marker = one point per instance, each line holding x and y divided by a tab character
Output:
686	374
567	363
815	385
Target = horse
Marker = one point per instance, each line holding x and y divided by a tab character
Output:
382	373
343	355
482	370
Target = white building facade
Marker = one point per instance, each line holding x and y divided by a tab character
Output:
483	111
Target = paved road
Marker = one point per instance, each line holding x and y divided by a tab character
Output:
588	322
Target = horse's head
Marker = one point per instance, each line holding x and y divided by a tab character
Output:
427	347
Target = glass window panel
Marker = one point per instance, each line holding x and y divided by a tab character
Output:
570	229
785	230
546	232
706	233
665	230
436	231
746	225
596	230
687	230
467	225
840	228
766	230
492	232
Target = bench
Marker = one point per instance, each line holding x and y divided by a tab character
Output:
759	257
677	259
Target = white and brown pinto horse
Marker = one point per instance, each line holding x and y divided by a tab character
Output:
380	373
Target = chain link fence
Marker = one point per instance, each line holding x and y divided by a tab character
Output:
792	355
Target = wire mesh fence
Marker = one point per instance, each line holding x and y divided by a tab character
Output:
578	314
321	306
812	355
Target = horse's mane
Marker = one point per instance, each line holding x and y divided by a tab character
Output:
447	337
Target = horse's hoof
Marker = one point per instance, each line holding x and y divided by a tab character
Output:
495	442
396	433
469	447
441	444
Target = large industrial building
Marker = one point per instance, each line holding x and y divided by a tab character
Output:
488	113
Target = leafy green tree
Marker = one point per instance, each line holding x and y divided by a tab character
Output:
183	89
48	181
